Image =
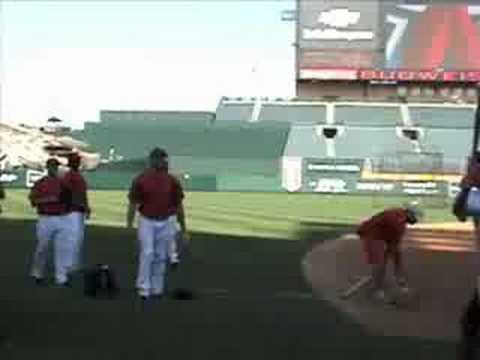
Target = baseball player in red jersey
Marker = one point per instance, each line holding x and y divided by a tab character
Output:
154	194
79	210
51	200
381	236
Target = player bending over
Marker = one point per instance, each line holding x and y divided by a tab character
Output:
381	236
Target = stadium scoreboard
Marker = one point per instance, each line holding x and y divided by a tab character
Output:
373	40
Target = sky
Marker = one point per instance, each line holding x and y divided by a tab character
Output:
71	59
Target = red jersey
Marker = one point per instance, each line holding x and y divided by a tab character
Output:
158	193
49	187
389	225
76	184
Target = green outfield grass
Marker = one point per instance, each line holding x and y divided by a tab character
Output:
271	215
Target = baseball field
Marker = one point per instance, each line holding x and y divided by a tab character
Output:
253	301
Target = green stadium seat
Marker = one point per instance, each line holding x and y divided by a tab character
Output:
374	116
442	117
455	145
304	142
363	142
309	114
234	111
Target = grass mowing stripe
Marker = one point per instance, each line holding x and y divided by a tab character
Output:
263	214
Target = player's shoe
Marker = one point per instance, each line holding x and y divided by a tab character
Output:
39	281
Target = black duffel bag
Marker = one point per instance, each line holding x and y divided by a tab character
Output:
100	282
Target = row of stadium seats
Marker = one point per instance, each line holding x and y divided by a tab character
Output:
266	139
356	114
361	142
350	142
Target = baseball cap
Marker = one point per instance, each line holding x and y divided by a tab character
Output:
74	158
52	161
414	212
158	152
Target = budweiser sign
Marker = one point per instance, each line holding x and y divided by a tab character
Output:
419	75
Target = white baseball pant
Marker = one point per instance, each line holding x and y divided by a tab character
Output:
154	238
77	233
172	246
53	229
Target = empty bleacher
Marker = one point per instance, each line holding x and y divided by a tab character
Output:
442	117
293	113
368	142
454	144
234	111
367	115
304	142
